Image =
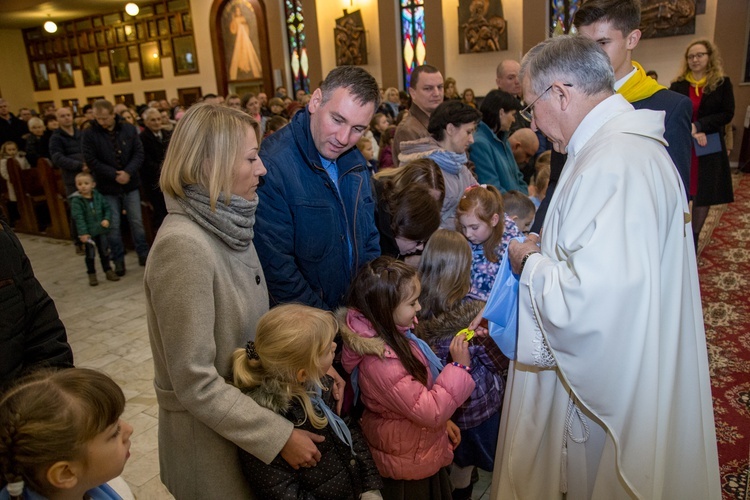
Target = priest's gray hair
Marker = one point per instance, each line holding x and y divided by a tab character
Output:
569	59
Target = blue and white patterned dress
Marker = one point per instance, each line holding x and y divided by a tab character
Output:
483	272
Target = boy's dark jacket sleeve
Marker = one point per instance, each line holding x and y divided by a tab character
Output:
31	333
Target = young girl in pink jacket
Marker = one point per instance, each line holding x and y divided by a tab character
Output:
408	400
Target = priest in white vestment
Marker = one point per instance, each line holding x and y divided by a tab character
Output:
609	397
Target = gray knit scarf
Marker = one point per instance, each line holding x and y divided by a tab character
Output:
232	223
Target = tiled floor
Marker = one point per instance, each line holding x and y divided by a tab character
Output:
106	327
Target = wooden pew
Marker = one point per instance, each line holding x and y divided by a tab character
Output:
4	199
30	195
54	191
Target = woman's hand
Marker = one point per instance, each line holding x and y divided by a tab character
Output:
454	434
700	138
300	450
338	388
459	350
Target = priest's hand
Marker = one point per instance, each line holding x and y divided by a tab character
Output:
517	251
479	325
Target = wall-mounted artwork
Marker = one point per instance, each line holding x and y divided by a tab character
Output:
660	18
90	69
350	38
119	65
183	55
150	60
481	26
65	74
239	26
41	76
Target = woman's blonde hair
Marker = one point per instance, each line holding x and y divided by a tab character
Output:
714	69
288	338
445	272
204	149
51	416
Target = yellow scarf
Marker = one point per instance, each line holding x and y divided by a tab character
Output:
639	86
697	84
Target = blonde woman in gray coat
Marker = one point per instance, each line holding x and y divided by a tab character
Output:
205	292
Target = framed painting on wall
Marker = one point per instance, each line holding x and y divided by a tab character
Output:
150	60
133	52
481	26
65	74
189	95
90	69
41	75
239	26
183	55
119	65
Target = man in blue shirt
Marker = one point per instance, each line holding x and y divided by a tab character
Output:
315	223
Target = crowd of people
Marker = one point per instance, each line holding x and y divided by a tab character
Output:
327	296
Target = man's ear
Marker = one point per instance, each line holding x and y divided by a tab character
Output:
63	475
631	41
561	92
316	100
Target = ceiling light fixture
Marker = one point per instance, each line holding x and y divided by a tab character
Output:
132	9
49	26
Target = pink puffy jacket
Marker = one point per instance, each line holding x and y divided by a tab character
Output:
404	422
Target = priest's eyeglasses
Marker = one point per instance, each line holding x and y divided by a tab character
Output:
527	113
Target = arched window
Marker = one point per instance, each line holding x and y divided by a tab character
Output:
295	25
412	36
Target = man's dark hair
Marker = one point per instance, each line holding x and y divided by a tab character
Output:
625	15
86	108
454	112
361	84
493	102
210	96
425	68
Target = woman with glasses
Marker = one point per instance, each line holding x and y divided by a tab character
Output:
703	80
491	153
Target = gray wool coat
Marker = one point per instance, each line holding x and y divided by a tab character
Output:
203	301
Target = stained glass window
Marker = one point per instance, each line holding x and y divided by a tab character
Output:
561	16
295	25
412	36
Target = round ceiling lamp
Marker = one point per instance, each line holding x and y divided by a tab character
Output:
50	27
132	9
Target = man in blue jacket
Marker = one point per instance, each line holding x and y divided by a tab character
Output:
315	223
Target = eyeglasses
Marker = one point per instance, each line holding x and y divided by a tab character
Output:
527	113
697	55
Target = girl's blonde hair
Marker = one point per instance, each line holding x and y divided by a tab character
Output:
3	153
484	202
445	272
51	416
288	338
714	70
204	149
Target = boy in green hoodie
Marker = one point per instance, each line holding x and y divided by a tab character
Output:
92	213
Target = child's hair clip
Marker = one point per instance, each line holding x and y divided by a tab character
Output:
250	350
469	333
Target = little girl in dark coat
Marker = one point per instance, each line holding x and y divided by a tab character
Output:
284	371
